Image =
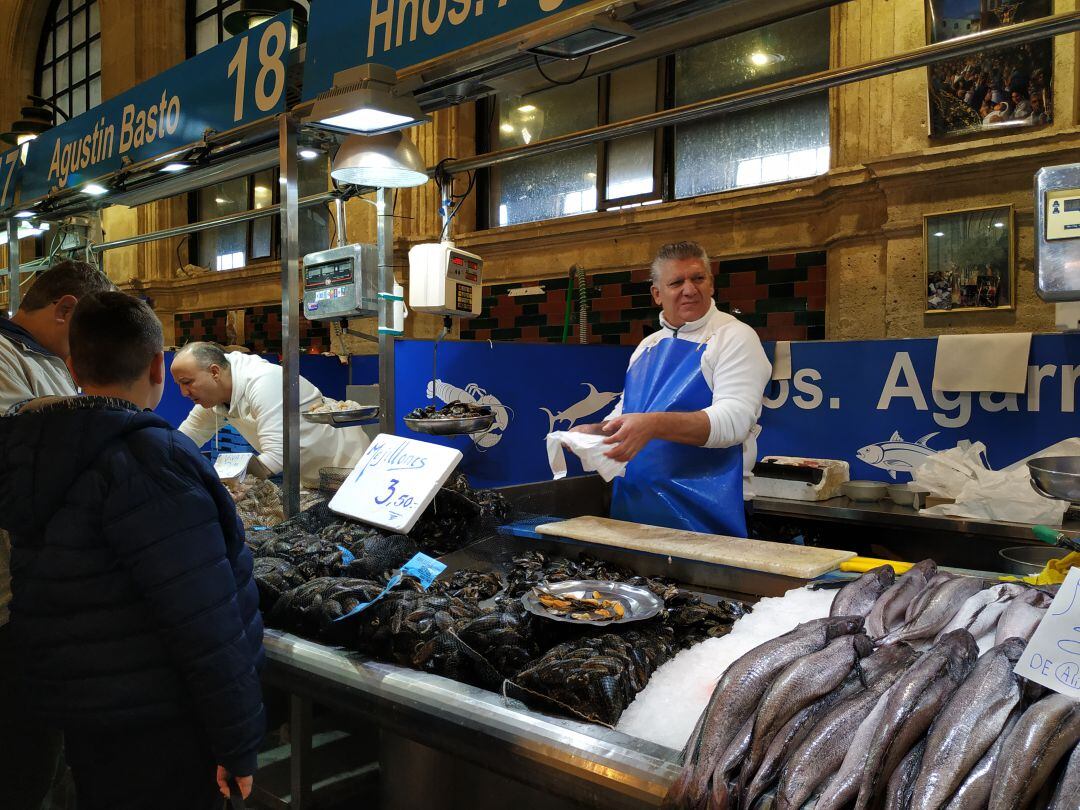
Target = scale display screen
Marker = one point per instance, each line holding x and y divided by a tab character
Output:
1072	204
325	275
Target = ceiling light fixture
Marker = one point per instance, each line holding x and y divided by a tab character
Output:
94	189
362	100
577	38
36	119
764	58
939	233
177	166
24	215
507	128
253	13
309	154
527	108
999	224
390	160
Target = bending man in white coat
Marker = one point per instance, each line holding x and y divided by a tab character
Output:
687	420
244	390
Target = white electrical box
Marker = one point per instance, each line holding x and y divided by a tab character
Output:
444	280
341	283
1057	233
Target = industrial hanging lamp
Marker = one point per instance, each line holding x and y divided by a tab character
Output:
576	38
253	13
363	100
390	160
36	119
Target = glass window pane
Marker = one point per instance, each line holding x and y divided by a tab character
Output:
202	6
47	82
48	47
95	56
95	91
95	19
313	178
633	91
78	29
223	248
64	103
763	145
63	43
78	65
551	185
206	34
630	166
60	76
63	8
78	102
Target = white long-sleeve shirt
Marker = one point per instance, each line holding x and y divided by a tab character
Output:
736	370
257	414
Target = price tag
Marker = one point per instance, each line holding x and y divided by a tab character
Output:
395	481
1052	657
232	465
421	567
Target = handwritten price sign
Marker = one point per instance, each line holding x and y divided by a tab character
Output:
395	481
1052	657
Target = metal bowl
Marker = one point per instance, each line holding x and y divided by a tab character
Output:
451	427
1026	560
638	603
864	491
1056	477
357	416
907	495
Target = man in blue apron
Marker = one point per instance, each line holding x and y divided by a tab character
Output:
687	420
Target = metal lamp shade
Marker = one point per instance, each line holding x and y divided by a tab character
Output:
390	160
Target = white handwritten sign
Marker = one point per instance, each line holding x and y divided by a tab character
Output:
394	481
1052	657
232	465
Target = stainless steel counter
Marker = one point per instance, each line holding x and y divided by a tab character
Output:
586	765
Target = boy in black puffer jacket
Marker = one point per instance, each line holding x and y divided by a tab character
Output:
134	612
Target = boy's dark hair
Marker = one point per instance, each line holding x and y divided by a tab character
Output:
64	278
114	338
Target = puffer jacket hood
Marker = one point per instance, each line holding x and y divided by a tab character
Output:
49	445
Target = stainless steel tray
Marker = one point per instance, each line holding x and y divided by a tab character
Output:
1056	477
639	603
451	427
357	416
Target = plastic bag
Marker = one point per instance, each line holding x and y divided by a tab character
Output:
589	448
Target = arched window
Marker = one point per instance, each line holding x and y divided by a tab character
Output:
206	21
69	56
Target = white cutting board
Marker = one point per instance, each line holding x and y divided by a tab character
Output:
804	562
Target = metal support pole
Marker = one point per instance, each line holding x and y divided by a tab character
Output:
385	246
14	271
290	312
339	213
300	732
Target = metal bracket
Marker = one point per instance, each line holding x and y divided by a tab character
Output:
362	335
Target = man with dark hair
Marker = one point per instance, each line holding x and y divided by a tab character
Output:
135	614
34	346
687	421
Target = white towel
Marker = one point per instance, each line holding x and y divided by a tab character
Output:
587	447
991	363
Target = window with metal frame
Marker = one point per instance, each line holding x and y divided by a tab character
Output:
771	144
236	246
68	71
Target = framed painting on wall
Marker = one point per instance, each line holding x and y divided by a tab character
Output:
994	90
969	260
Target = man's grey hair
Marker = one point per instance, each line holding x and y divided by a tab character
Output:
205	353
677	251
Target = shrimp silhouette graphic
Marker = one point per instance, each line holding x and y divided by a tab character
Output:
896	455
447	393
594	402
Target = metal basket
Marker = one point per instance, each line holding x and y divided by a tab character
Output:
331	478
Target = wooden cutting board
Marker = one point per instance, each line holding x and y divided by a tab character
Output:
805	562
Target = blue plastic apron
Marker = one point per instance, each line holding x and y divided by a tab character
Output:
676	485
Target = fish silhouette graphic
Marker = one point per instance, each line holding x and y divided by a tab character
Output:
448	392
897	455
593	402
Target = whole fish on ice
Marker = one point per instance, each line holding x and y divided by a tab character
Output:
897	455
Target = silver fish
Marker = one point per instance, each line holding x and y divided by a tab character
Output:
941	606
888	611
970	611
800	684
968	725
912	707
736	697
825	747
974	791
935	582
902	781
1018	621
858	596
1067	793
1045	733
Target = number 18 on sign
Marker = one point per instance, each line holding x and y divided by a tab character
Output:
395	481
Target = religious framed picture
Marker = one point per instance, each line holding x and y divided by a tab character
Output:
969	260
995	90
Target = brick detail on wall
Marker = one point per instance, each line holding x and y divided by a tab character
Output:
262	327
782	297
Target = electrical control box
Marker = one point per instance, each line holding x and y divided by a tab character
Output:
341	283
1057	233
444	280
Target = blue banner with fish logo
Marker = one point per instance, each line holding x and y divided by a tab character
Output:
870	403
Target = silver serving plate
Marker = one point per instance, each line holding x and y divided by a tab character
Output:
1056	477
357	416
451	427
639	603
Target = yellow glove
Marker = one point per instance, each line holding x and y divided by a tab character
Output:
1053	573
